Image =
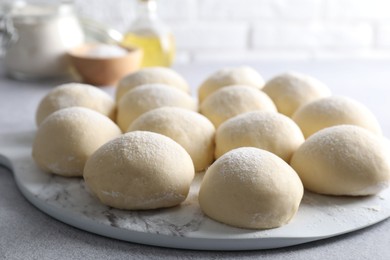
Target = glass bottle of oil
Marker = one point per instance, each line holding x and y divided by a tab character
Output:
150	34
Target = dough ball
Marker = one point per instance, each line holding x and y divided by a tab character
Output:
189	129
140	170
291	90
75	95
270	131
147	97
334	110
234	100
230	76
153	75
250	188
343	160
68	137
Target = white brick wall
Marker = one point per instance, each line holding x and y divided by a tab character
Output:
383	35
303	35
357	9
211	35
240	30
259	9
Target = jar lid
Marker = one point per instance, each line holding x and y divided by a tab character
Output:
22	11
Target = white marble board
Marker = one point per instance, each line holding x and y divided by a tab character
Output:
185	226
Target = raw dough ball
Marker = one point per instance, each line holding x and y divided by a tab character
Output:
343	160
147	97
189	129
68	137
154	75
332	111
291	90
75	95
250	188
270	131
234	100
140	170
230	76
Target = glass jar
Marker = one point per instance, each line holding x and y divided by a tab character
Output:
39	35
150	34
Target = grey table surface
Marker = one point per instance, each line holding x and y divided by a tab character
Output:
28	233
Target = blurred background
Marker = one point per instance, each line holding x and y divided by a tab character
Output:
256	30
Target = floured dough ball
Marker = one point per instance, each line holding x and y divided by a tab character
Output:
153	75
334	110
343	160
289	91
230	76
250	188
189	129
75	95
147	97
66	139
140	170
231	101
270	131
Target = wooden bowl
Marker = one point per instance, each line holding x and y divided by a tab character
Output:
104	71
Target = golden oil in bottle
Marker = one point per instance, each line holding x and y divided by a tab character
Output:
150	34
158	50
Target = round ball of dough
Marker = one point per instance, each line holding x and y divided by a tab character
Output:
68	137
153	75
231	101
343	160
75	95
230	76
140	170
334	110
270	131
147	97
289	91
189	129
250	188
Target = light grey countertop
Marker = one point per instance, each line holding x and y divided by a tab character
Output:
28	233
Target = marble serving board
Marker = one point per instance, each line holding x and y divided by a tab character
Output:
184	226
